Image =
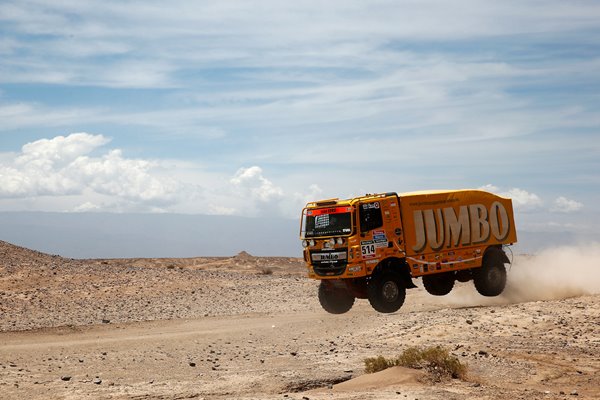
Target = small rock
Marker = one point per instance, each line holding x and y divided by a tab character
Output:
470	322
192	364
97	381
65	378
294	353
574	393
106	321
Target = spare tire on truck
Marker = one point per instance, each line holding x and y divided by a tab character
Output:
490	279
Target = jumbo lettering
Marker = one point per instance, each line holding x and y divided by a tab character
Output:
473	224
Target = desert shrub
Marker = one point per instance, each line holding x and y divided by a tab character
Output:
437	361
411	358
376	364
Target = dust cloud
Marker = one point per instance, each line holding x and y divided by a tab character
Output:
552	274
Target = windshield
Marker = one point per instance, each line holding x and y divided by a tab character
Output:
331	221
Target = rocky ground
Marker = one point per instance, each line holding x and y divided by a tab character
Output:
251	328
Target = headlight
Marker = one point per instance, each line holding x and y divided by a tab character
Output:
331	242
305	243
340	241
311	242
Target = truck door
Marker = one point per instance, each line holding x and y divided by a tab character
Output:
370	218
380	227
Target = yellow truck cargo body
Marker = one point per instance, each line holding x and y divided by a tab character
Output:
451	229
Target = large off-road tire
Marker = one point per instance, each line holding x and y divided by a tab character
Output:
335	300
490	279
386	292
439	284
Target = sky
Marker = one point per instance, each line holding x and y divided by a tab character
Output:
254	108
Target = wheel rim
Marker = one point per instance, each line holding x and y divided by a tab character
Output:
389	291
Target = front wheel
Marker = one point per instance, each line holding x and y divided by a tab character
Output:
490	279
335	300
386	292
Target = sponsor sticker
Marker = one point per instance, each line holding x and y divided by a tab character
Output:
330	210
328	257
367	206
379	238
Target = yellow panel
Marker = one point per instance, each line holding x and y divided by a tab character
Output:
435	221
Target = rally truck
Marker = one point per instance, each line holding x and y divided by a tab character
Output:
372	247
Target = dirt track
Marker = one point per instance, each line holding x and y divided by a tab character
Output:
228	328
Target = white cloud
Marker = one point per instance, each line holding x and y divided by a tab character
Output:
564	205
79	173
526	201
130	179
300	199
60	150
252	181
522	199
255	194
490	188
87	207
66	166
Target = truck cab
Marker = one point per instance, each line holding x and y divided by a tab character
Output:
345	239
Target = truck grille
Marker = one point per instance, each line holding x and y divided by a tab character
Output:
329	262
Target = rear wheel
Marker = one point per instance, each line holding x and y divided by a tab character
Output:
490	279
439	284
386	292
335	300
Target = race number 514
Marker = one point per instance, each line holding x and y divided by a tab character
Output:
368	250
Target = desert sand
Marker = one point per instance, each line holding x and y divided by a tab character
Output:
247	327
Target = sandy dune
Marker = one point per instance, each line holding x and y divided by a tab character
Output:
251	328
